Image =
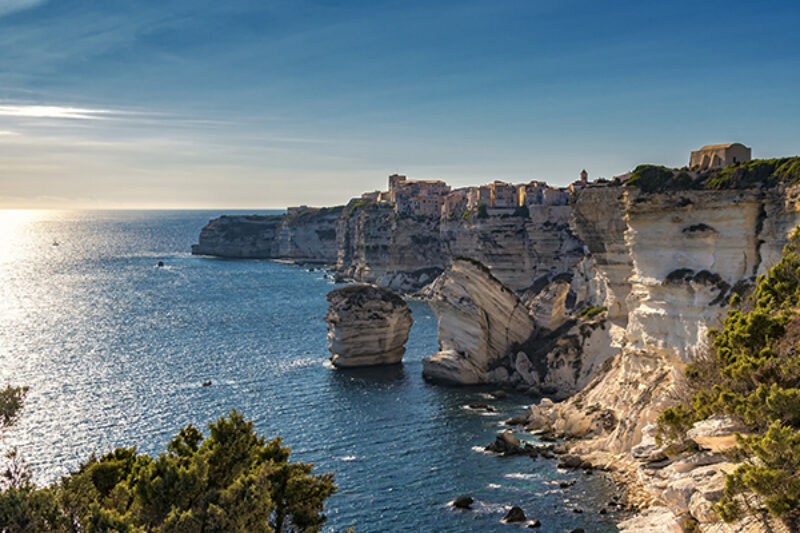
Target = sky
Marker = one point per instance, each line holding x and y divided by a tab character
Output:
270	103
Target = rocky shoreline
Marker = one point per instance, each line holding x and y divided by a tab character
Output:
599	304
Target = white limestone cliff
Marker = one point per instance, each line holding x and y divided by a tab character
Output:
367	325
480	320
666	283
306	237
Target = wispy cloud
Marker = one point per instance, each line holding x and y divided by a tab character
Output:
7	133
49	111
10	6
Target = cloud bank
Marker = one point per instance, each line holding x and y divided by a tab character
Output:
49	111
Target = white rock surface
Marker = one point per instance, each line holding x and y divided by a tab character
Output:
367	325
480	320
652	520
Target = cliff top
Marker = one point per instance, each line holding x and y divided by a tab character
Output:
746	175
300	216
361	293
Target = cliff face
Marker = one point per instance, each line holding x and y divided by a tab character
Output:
665	264
480	319
239	236
308	237
519	249
406	253
378	246
667	282
367	326
363	237
369	242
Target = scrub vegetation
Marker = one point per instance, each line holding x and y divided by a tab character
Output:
759	172
753	375
231	481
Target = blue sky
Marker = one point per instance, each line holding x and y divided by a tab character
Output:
189	103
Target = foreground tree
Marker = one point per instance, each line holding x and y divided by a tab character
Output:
11	399
753	375
233	481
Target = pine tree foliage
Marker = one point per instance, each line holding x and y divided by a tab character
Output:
233	481
754	376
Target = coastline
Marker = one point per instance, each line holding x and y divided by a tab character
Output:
612	323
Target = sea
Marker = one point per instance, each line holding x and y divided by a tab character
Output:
115	351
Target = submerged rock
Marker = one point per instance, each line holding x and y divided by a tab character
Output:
463	502
515	514
367	325
481	407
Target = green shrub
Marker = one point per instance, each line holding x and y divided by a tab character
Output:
754	376
589	312
757	172
11	399
356	205
650	178
232	481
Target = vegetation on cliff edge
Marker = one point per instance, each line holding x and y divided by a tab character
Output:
753	375
233	481
758	172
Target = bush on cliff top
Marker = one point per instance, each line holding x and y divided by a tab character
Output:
757	172
766	172
754	375
232	481
650	178
357	205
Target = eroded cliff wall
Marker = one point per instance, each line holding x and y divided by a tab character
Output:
518	249
682	256
306	237
376	245
368	242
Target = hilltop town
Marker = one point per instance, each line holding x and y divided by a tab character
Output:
435	198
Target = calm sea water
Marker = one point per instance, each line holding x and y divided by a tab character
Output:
115	351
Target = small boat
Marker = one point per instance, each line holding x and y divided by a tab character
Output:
55	243
207	383
160	264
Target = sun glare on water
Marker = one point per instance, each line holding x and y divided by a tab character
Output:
16	232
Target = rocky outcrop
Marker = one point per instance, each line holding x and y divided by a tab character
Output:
664	265
481	321
487	334
305	237
687	253
248	236
367	325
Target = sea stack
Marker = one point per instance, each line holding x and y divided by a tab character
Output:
367	325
